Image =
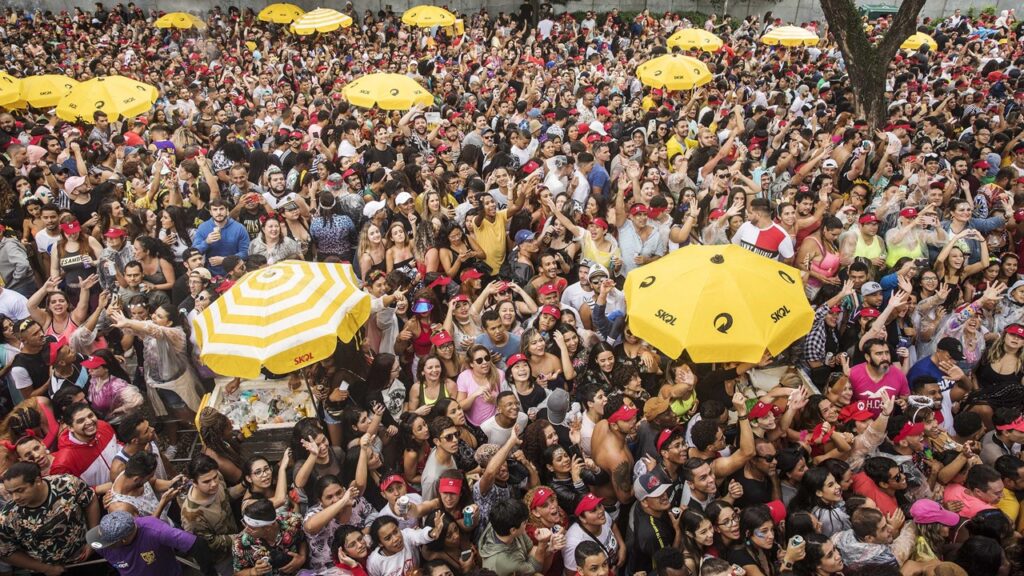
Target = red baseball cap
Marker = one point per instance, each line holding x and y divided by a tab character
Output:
638	209
600	223
542	495
93	362
588	503
909	212
547	289
471	274
855	412
868	218
515	359
72	227
115	233
1015	329
552	311
868	313
762	409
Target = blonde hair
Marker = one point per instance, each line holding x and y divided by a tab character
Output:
363	245
998	350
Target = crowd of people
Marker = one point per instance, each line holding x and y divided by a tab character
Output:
496	415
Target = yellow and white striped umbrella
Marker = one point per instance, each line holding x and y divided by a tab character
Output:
428	16
320	20
281	13
674	72
10	89
917	40
790	36
283	317
180	20
46	90
690	38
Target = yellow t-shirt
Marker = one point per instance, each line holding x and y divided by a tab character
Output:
492	237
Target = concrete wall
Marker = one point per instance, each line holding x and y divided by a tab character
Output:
788	10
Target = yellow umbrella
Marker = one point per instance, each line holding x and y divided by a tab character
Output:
919	39
180	20
281	13
10	90
283	317
674	72
46	90
115	95
320	20
428	17
790	36
690	38
386	91
718	303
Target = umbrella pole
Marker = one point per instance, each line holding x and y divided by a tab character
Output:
318	405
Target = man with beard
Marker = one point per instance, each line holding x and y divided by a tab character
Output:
876	374
609	446
758	478
86	447
278	194
414	126
220	236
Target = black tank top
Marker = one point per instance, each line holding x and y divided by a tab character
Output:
35	365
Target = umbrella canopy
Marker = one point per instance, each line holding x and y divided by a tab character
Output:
428	17
718	303
320	20
281	13
919	39
180	20
46	90
10	89
283	317
386	91
674	72
690	38
790	36
115	95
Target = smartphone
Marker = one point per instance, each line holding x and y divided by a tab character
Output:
466	555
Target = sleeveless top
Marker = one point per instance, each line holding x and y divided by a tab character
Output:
73	267
869	251
828	266
156	277
428	401
897	251
146	504
69	329
421	345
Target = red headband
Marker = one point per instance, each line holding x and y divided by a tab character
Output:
909	430
622	414
12	447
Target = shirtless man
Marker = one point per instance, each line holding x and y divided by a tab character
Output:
609	446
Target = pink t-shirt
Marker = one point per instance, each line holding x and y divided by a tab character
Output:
866	389
972	504
480	410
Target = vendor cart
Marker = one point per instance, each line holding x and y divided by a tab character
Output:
272	404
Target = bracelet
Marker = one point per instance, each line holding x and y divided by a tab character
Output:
744	417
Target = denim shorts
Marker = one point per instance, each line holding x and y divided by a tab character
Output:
171	399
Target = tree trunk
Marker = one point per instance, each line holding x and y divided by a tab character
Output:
867	63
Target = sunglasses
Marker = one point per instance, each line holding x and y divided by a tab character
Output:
481	360
768	457
450	437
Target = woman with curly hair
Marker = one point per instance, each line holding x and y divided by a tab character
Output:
221	443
